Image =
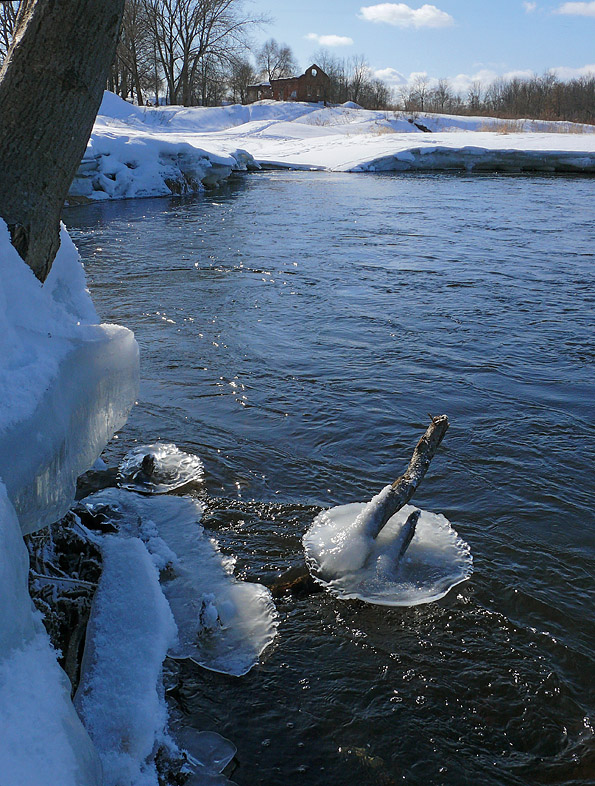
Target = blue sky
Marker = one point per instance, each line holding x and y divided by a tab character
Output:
458	39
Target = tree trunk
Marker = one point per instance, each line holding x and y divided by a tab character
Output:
51	85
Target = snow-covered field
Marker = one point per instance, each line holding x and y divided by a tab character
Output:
137	151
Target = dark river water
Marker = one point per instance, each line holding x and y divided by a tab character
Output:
295	330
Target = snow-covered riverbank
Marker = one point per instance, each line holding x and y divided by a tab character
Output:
136	151
67	385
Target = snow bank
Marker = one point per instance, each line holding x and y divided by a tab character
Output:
223	624
349	553
130	154
66	382
42	741
120	698
135	151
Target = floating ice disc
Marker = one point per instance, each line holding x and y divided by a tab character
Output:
352	564
159	468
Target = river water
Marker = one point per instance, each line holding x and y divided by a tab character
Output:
296	329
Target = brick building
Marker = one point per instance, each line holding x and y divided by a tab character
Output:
313	85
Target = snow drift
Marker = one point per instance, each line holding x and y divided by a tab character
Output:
136	151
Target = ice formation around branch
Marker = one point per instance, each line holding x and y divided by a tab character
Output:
223	624
343	555
159	469
155	151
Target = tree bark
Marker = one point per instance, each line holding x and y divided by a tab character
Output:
51	85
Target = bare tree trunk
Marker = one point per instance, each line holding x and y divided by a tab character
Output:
51	85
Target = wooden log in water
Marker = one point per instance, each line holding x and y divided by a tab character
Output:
390	502
405	486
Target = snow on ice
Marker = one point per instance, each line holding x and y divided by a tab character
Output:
120	697
67	383
223	624
136	151
347	554
42	741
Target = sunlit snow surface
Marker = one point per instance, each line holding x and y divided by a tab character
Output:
353	565
223	624
158	469
151	151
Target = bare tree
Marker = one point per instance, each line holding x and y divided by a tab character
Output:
419	91
133	68
441	96
51	85
474	96
187	31
276	61
242	75
8	18
359	74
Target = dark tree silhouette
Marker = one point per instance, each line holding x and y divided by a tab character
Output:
51	84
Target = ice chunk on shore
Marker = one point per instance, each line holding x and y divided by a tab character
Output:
223	624
120	697
42	741
344	556
158	469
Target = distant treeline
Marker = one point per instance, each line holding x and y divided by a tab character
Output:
539	97
196	52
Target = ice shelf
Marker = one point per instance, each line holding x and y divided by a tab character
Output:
223	624
67	383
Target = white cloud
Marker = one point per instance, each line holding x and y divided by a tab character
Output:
529	7
391	76
330	40
461	83
402	15
577	9
564	73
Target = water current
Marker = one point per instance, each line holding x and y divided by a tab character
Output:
295	330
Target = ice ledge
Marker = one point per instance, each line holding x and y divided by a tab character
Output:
42	454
